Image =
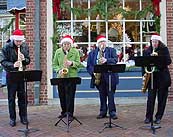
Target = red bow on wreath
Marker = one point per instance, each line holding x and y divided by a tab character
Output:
156	7
56	8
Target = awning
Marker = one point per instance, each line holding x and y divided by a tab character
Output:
13	5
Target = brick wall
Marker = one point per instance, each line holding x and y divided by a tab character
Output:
169	14
30	33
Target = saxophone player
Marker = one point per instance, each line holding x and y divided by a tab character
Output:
14	53
108	56
66	62
162	80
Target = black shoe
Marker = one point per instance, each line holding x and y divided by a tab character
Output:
147	121
101	116
157	121
114	117
12	123
24	120
3	85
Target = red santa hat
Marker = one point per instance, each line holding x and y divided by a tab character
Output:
156	37
67	38
17	35
100	38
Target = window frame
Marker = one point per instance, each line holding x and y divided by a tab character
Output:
72	21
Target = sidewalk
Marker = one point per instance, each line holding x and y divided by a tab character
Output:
44	118
2	94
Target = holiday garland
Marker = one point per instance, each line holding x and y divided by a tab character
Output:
106	9
100	8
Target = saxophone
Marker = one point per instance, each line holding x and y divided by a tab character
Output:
65	69
19	60
147	75
98	75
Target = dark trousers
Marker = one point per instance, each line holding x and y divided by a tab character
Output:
105	95
14	88
162	94
67	94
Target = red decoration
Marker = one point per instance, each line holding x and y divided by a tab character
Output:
56	8
156	7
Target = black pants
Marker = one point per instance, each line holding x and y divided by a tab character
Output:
162	94
14	88
67	94
105	95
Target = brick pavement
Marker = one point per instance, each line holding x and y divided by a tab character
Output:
2	94
44	118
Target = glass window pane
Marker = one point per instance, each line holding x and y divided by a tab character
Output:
113	14
131	5
79	32
4	36
80	9
115	31
97	28
65	13
63	28
93	13
133	31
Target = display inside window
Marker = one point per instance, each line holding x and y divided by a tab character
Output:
123	32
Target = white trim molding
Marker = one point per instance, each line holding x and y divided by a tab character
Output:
49	48
163	25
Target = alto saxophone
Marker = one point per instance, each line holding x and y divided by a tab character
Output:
65	69
19	60
98	75
147	75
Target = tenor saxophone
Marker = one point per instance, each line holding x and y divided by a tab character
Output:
147	75
19	60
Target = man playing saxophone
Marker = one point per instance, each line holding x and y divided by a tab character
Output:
66	62
15	57
161	80
103	55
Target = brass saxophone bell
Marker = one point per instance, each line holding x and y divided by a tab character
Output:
65	71
146	79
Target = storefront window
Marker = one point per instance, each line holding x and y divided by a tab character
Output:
4	35
129	35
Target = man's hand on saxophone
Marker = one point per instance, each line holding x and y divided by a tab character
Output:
102	60
21	56
17	64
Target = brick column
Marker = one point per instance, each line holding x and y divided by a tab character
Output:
30	33
169	14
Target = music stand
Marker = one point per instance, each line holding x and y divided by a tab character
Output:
117	68
26	76
150	61
59	81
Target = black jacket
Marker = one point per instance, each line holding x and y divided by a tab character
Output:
9	56
161	76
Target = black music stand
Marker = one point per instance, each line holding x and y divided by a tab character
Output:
58	81
150	61
117	68
26	76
